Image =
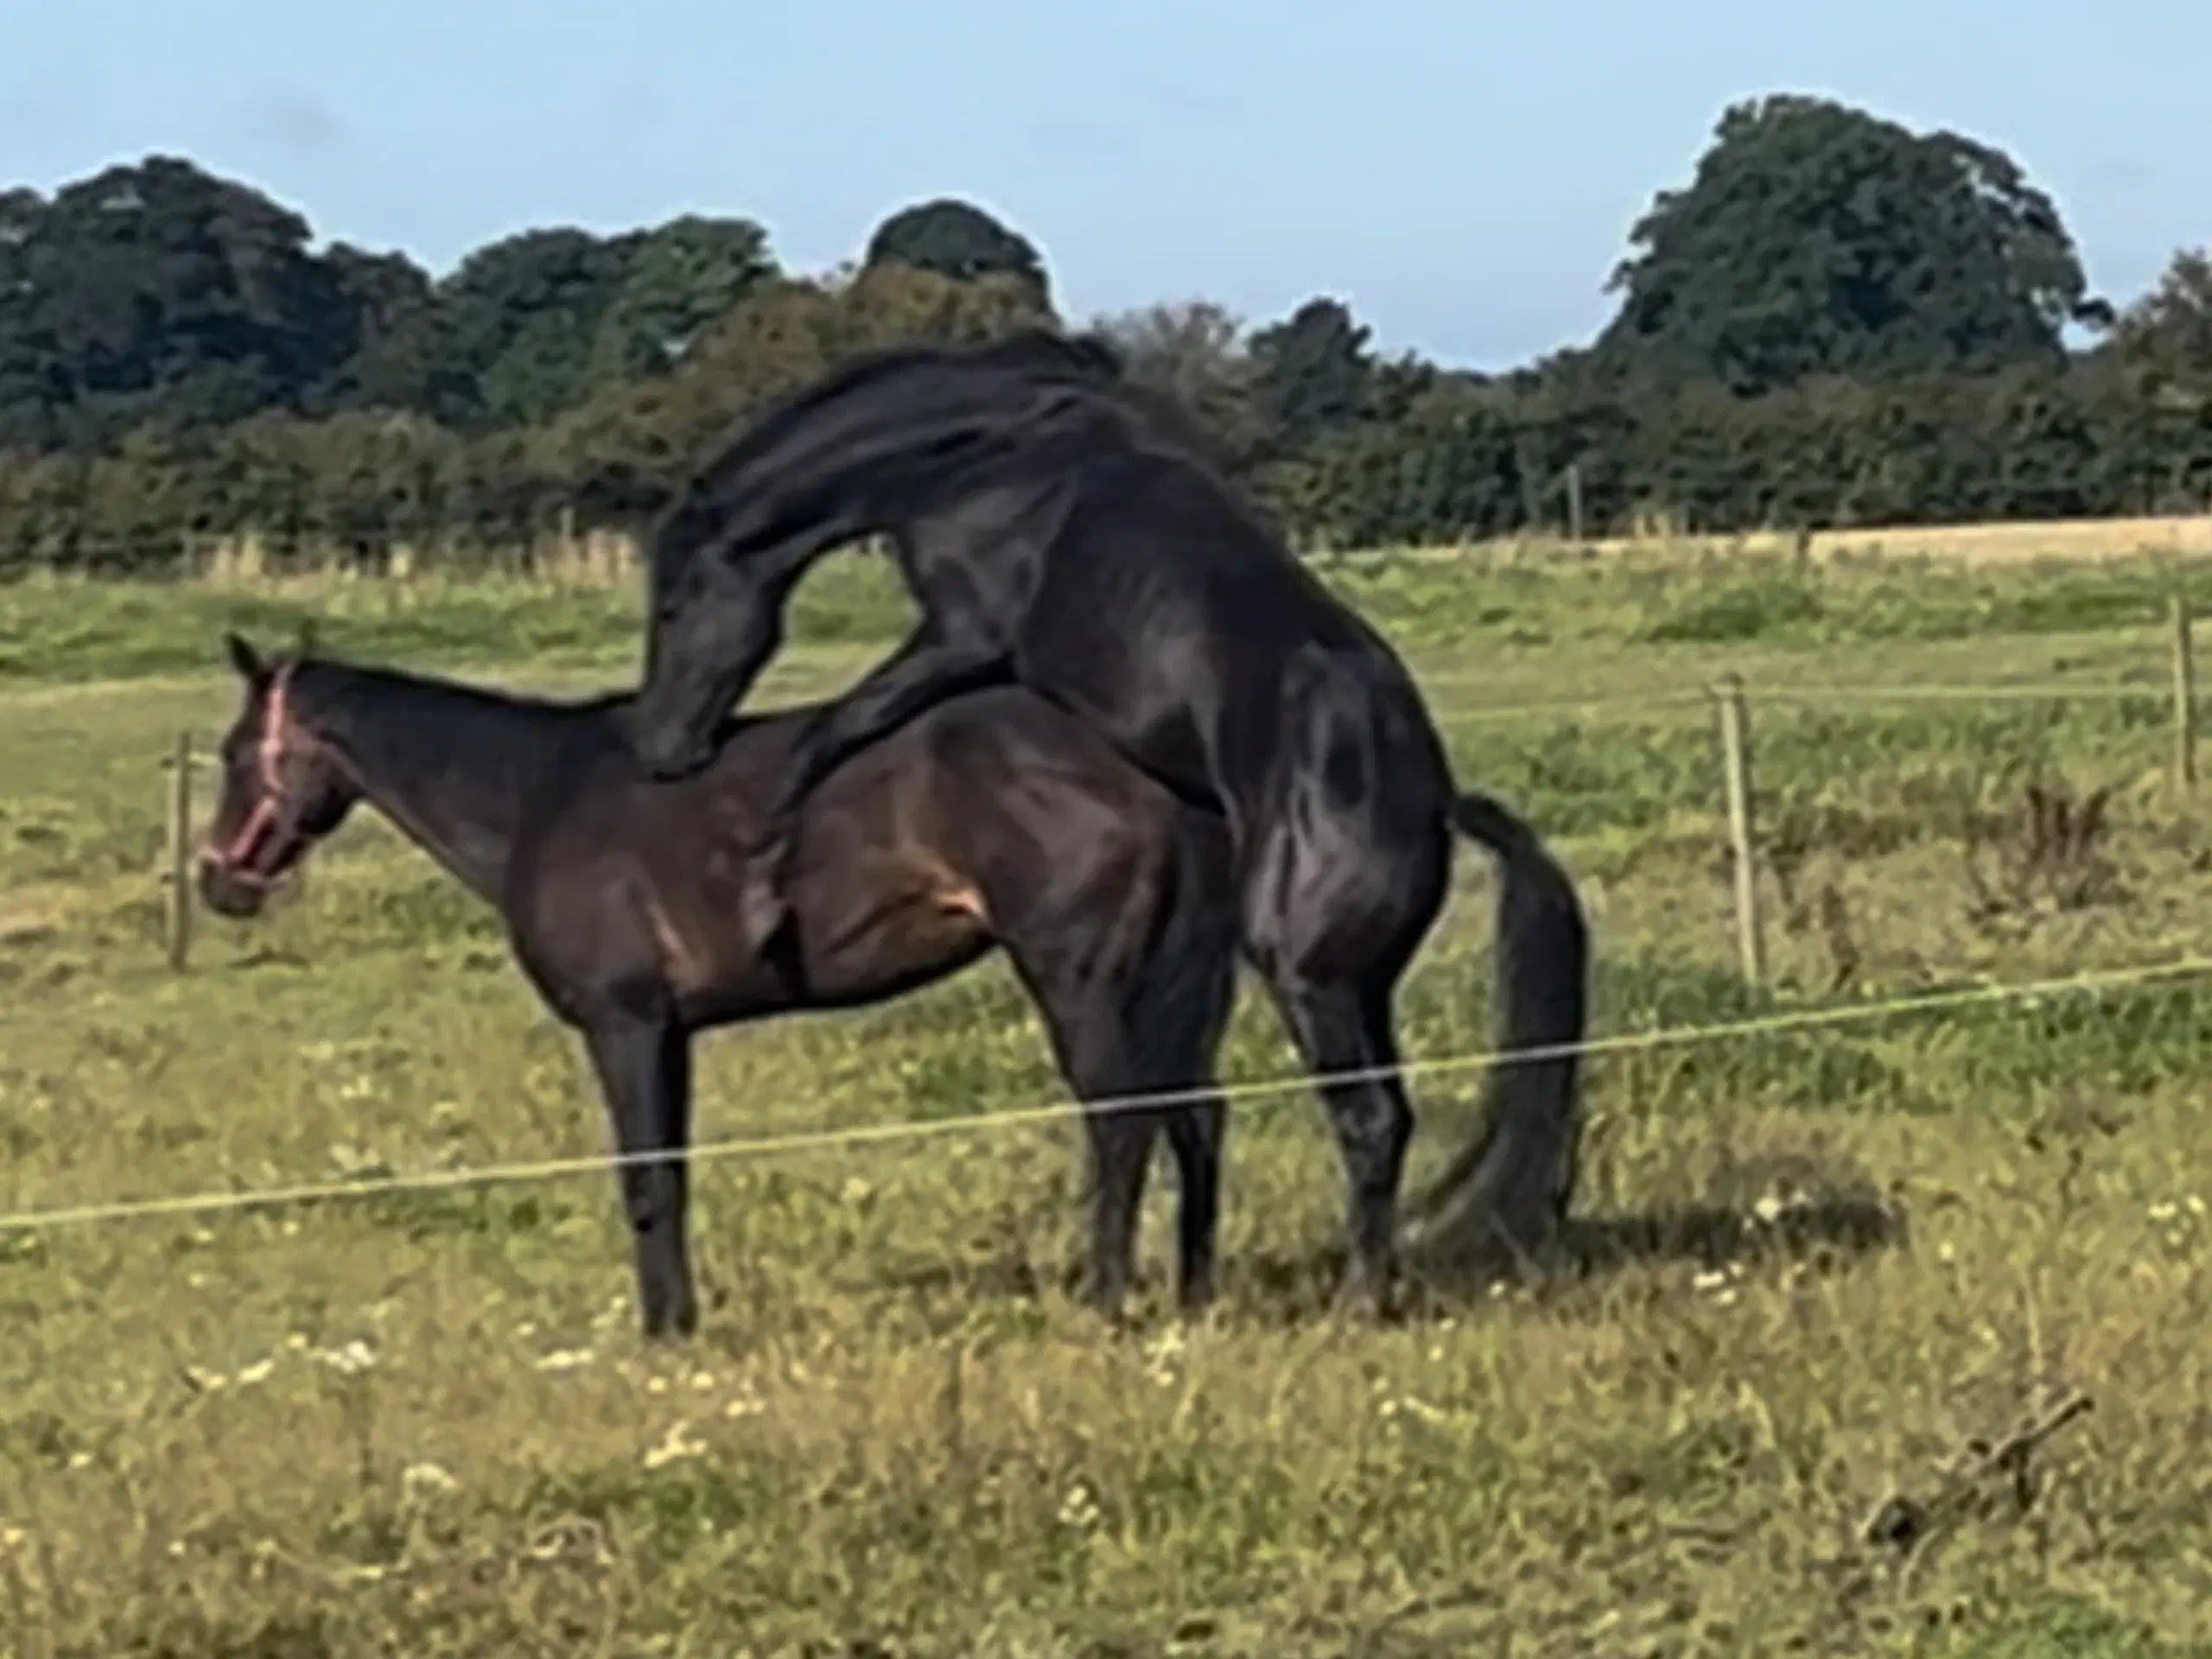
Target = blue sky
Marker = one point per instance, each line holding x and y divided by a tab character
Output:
1463	173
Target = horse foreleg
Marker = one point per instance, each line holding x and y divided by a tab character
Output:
645	1071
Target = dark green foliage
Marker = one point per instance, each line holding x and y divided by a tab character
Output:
1313	370
957	240
1819	239
1838	322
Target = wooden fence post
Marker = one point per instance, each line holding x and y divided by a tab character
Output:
1735	771
2184	698
177	878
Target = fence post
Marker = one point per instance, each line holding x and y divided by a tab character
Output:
1736	770
2184	697
178	876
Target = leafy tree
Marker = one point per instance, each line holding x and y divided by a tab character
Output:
158	292
406	356
1819	239
1311	370
34	388
2166	336
1193	351
679	278
957	240
523	314
543	319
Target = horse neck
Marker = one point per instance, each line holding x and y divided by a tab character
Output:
451	765
872	459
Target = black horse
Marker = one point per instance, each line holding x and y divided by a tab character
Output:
1061	530
995	820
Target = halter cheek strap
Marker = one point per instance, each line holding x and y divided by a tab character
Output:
268	763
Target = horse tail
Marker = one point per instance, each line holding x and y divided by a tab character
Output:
1508	1190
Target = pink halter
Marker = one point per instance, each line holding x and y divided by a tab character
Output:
269	760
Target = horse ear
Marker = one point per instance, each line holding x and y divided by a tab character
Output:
246	659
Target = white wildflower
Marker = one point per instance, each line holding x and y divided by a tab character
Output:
1079	1508
1163	1357
674	1444
350	1359
428	1477
565	1359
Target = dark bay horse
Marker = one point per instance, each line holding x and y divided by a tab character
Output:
1061	530
997	820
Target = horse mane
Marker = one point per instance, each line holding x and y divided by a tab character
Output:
898	403
461	724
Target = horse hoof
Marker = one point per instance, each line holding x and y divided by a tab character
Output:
1367	1301
663	1328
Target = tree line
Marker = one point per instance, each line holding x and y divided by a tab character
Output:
1835	321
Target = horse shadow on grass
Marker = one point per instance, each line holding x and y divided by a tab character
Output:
1821	1227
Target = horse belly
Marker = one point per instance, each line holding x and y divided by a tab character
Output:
870	947
878	905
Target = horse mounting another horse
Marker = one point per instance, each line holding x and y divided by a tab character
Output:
1061	529
996	820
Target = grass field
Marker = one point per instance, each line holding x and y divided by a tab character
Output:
1816	1267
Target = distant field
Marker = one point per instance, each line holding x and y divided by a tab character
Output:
2016	542
1817	1265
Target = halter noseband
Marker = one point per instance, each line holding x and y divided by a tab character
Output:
269	757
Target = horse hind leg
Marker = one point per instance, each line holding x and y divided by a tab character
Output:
1153	1035
1345	1034
1194	1135
1140	1012
1334	909
1120	1156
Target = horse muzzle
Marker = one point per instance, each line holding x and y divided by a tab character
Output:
239	886
230	890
